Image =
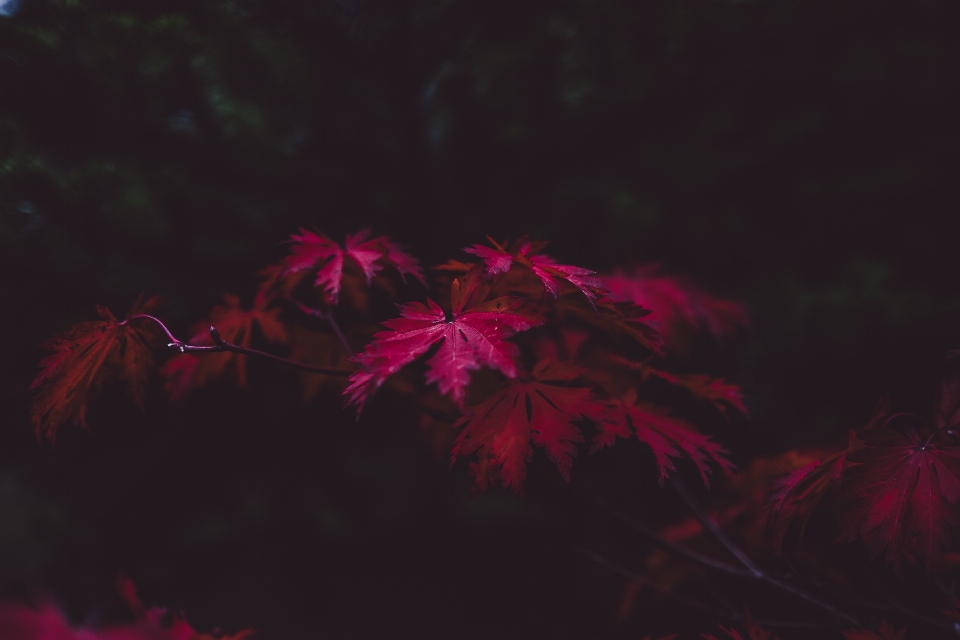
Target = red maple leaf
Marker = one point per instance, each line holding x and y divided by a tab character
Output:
903	496
886	632
675	303
754	631
550	272
796	496
189	371
540	410
46	622
314	251
718	392
947	407
669	438
474	336
86	355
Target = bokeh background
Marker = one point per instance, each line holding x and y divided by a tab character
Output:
801	157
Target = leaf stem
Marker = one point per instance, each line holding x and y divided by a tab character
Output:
328	316
149	317
340	336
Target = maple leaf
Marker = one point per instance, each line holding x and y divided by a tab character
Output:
320	349
549	271
675	303
85	356
796	496
947	411
886	632
540	410
669	438
313	251
189	371
754	631
903	495
47	622
718	392
473	337
615	317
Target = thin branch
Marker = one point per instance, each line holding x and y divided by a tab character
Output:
220	345
711	525
719	565
729	616
916	615
655	537
811	599
144	316
643	580
755	572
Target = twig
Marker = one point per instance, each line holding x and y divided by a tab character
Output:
221	345
643	580
144	316
696	604
711	525
955	627
719	565
754	570
655	537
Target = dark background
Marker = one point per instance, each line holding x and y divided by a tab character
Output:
801	157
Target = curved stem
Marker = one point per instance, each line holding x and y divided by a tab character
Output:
149	317
221	345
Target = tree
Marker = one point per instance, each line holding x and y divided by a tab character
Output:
528	353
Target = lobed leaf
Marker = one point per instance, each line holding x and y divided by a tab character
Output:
886	632
537	410
669	438
903	497
474	336
84	357
315	252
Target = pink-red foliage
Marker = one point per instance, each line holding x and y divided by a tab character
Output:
312	251
886	632
904	493
539	409
86	355
189	371
675	303
551	273
473	336
669	438
47	622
